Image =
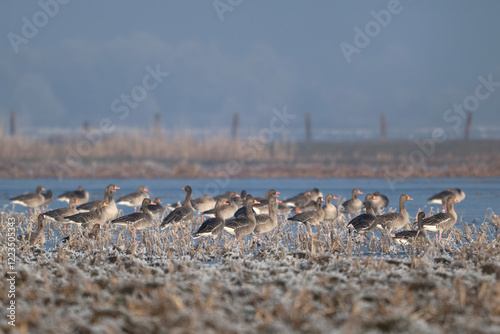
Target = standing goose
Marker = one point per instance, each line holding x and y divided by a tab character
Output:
267	223
405	237
227	211
33	200
134	199
137	220
35	238
181	214
214	226
239	227
354	205
59	214
81	195
366	222
331	211
380	203
155	208
90	218
442	221
313	217
204	203
241	201
393	220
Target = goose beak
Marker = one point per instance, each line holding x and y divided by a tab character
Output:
335	197
116	187
360	192
146	189
409	198
278	201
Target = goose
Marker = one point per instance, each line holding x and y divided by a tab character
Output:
32	200
239	227
214	226
267	222
354	205
406	237
81	195
395	220
155	208
227	211
181	214
313	217
35	238
90	218
331	211
134	199
366	222
137	220
59	214
442	221
204	203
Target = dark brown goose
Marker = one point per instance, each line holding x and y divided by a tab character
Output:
59	214
137	220
442	221
33	200
406	237
81	195
366	222
239	227
214	226
134	199
395	220
181	214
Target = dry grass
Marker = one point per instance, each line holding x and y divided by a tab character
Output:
138	155
290	282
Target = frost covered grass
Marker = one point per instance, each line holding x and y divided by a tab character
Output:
289	281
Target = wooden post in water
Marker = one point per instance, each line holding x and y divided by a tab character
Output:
157	125
236	120
467	126
383	128
12	127
308	128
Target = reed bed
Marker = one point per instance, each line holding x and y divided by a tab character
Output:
289	281
137	154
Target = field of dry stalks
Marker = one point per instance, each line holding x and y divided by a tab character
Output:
138	156
290	281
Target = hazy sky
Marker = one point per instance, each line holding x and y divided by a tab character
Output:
83	59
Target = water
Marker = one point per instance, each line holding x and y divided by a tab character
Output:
482	194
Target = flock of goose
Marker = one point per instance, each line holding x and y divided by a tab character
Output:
240	214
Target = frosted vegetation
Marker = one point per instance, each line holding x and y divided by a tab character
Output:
288	281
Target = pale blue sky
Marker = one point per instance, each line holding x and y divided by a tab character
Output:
263	55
